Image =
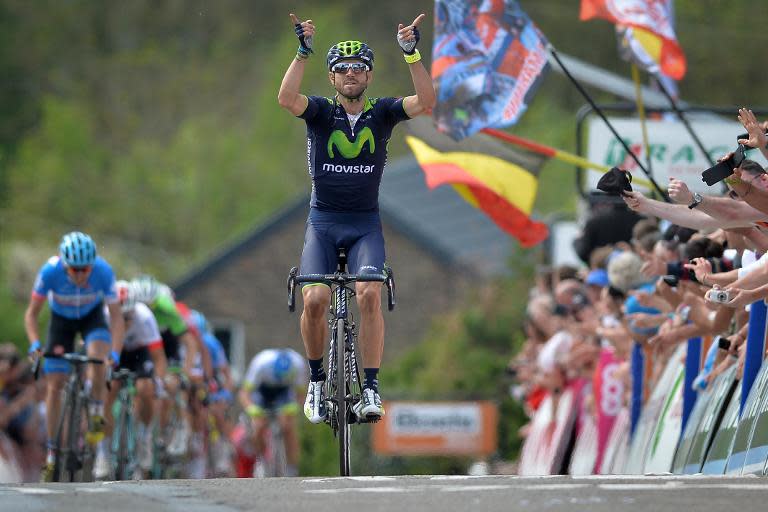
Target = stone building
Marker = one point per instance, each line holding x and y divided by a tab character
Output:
437	245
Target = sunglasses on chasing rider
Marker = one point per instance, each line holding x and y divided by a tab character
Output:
344	67
79	270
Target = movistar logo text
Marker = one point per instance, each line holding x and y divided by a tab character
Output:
349	149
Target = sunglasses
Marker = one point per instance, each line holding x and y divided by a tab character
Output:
344	67
79	270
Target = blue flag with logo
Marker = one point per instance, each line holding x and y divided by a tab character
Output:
487	61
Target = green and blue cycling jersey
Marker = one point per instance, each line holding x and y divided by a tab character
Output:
346	163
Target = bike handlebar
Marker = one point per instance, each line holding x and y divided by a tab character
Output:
72	358
341	279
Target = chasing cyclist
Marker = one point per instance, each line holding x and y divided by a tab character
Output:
271	383
76	284
143	355
347	138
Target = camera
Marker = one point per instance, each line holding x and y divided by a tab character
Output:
671	280
723	343
725	168
720	296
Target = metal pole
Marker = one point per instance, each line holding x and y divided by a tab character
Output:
692	368
599	112
755	348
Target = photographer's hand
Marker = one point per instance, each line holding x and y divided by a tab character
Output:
679	192
701	268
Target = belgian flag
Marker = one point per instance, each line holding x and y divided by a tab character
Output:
487	174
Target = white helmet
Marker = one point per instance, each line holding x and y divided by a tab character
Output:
125	295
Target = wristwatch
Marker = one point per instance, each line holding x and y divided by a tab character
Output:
696	200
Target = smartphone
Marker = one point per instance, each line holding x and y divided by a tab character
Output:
745	136
717	173
723	343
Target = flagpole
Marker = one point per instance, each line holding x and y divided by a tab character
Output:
683	119
599	112
641	114
551	152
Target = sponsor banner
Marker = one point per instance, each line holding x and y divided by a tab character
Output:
609	398
673	151
436	428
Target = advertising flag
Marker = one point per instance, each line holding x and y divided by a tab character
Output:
488	60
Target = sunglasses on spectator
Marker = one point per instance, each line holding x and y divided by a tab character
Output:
79	270
733	195
356	67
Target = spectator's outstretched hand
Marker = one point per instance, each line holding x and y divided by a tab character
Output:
701	268
635	200
756	130
679	191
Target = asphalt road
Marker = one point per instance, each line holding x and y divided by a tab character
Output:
401	494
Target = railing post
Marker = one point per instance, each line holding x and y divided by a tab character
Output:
638	370
755	349
692	369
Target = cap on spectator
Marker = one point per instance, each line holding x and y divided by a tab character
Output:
615	182
598	277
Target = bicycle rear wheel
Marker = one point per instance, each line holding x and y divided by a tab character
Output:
342	405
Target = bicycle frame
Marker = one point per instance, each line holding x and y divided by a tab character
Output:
343	383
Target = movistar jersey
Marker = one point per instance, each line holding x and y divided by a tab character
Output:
67	299
346	164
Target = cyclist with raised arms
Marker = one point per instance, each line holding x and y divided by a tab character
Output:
347	138
76	284
271	383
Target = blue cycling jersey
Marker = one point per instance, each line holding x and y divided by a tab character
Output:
346	163
215	348
67	299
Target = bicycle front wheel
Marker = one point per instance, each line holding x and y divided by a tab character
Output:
342	404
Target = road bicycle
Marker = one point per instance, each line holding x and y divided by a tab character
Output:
124	434
343	385
73	454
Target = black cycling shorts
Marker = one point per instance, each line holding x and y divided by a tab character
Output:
62	332
139	362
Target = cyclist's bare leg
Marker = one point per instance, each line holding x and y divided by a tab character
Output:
291	436
109	420
314	326
143	403
97	349
371	323
54	383
258	425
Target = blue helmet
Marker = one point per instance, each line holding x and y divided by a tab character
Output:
77	249
282	366
199	320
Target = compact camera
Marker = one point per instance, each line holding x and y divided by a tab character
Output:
720	296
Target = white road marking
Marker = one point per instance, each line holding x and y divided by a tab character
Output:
358	489
471	488
353	478
35	490
552	487
91	490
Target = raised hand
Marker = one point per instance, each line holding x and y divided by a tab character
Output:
408	36
701	267
757	138
679	191
305	30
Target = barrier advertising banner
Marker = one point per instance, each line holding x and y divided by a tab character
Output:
673	151
436	428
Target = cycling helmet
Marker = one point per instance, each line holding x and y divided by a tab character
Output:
77	249
125	295
350	50
199	321
282	366
144	289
